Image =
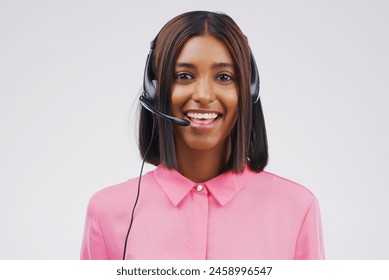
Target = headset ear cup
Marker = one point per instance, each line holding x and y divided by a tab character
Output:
255	83
149	81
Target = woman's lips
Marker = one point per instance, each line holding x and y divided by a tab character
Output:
202	118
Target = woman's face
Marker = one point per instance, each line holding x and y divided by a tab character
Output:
205	92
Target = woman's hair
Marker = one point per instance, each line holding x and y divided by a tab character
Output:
248	137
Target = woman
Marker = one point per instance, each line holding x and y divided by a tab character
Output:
202	125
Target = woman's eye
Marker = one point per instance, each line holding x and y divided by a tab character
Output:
224	77
183	76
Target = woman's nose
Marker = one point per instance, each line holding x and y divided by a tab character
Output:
204	91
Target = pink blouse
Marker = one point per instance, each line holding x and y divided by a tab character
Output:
232	216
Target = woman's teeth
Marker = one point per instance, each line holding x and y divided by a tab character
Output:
202	116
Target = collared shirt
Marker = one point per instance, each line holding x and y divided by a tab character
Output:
232	216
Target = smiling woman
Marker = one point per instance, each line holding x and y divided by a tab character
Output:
209	197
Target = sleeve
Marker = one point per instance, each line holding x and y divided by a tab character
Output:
93	245
310	244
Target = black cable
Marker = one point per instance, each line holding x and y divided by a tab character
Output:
137	196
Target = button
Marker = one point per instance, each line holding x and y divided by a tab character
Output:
199	188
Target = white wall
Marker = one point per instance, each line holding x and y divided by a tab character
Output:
70	72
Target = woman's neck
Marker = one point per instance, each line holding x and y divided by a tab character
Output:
201	166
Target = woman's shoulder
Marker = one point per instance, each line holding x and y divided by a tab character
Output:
282	187
120	193
281	181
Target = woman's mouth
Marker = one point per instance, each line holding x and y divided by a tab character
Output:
198	118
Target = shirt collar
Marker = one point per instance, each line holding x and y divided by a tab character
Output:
223	187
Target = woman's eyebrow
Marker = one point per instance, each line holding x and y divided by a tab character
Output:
185	64
223	64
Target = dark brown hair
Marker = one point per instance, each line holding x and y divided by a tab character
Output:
248	138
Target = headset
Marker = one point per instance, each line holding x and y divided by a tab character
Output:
148	99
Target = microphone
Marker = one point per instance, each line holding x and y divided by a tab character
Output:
146	104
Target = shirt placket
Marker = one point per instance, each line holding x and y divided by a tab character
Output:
199	222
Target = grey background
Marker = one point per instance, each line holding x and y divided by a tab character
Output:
70	72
